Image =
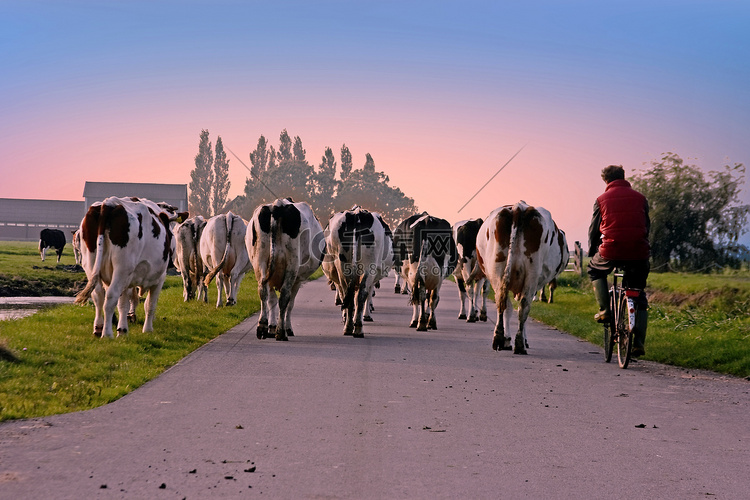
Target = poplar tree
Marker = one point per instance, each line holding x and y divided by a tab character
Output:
346	162
221	178
202	177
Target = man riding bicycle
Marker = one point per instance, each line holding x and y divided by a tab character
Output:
618	237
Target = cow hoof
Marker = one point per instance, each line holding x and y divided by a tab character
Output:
483	316
507	346
98	331
397	289
272	329
461	316
262	332
422	328
413	324
132	318
472	319
432	324
497	344
231	302
289	332
281	337
519	351
338	300
367	318
122	331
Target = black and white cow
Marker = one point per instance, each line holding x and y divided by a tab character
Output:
222	248
355	250
425	247
520	249
125	243
386	264
51	238
187	257
285	244
469	276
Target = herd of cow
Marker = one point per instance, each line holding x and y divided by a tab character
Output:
125	246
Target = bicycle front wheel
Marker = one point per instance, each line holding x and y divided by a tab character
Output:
609	332
624	334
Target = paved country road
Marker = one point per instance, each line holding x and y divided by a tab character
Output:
398	414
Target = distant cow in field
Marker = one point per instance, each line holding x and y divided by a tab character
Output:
124	244
187	257
51	238
355	249
426	250
470	279
76	244
520	249
222	248
285	244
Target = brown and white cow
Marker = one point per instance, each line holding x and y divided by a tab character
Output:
520	249
187	257
285	244
426	253
222	248
51	238
470	279
124	244
354	261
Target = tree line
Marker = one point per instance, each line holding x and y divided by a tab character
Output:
697	218
329	187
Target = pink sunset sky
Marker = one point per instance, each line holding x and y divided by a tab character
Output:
441	94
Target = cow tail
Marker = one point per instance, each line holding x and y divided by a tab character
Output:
420	273
275	242
229	219
84	295
515	273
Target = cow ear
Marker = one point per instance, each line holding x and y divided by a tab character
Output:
182	217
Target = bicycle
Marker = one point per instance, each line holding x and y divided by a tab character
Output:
619	329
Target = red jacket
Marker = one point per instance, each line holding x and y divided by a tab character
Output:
620	224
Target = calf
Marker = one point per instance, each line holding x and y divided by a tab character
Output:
469	276
285	243
355	249
124	244
428	255
76	244
187	257
222	248
520	249
51	238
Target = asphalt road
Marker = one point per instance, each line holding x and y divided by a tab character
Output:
398	414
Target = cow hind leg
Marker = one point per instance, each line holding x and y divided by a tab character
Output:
123	306
523	313
150	307
461	297
500	340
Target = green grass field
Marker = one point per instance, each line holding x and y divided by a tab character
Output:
695	321
51	363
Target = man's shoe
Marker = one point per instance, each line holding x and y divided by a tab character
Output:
602	317
637	352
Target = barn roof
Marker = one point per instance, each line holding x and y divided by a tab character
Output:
153	192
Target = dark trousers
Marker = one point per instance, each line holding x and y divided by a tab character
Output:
635	273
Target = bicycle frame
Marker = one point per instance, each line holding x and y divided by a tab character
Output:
619	329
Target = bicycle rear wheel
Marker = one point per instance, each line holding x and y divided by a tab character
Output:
609	332
624	334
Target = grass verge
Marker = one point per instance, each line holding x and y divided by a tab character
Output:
695	321
50	362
